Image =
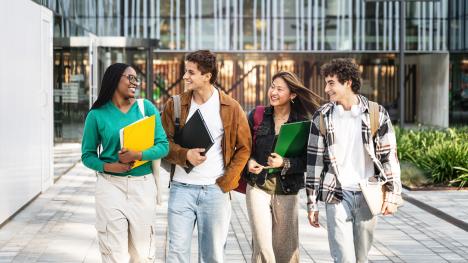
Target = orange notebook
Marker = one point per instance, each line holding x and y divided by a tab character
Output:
138	136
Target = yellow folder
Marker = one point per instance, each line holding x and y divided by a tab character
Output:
138	136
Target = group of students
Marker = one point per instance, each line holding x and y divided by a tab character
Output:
341	152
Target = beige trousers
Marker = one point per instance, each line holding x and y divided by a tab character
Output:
125	217
274	224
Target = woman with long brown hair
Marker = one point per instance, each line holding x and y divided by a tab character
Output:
272	196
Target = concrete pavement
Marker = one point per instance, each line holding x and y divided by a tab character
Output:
59	227
66	155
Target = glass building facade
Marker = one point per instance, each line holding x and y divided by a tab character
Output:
295	25
254	39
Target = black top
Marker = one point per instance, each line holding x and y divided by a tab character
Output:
289	181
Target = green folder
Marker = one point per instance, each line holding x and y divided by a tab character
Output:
292	140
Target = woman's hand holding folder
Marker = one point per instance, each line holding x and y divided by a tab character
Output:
255	167
275	161
127	156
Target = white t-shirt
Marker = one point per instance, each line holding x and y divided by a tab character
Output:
213	167
354	163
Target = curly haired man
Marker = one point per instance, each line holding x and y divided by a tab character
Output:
342	153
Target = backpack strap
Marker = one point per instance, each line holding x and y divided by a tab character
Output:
176	115
141	106
258	119
322	125
176	99
374	117
155	164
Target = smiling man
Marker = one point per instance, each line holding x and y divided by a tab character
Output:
342	152
201	197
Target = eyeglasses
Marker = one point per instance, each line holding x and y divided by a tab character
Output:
132	78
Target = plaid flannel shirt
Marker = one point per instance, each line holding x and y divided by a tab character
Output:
322	170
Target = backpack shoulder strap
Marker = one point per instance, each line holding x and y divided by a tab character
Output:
322	125
374	117
141	106
258	116
176	99
155	164
258	119
176	115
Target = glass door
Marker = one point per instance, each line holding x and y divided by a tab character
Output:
71	93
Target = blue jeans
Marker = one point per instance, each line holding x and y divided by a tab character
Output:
350	227
204	205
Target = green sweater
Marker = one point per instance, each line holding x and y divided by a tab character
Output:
102	126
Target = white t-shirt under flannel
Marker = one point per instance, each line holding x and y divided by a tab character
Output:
354	163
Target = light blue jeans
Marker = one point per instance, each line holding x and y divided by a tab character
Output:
350	227
204	205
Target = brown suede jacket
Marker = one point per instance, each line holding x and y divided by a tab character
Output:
236	142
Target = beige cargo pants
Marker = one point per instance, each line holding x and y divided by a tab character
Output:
125	217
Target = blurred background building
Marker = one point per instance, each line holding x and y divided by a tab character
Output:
254	39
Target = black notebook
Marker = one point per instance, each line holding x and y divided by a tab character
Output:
194	134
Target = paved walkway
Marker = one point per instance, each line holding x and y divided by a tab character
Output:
66	155
59	227
453	203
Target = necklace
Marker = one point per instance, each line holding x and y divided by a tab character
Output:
281	118
280	121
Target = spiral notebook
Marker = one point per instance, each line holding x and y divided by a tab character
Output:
194	134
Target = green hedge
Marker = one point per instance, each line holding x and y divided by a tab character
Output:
442	155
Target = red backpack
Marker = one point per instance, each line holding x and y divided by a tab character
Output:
257	118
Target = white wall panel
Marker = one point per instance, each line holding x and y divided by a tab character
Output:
26	109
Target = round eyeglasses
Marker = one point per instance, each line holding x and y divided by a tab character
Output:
132	78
